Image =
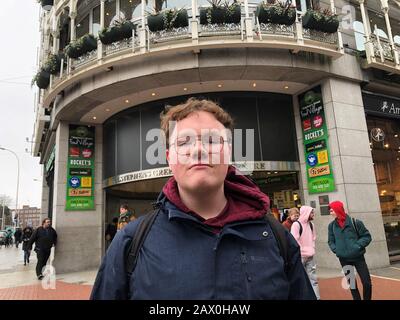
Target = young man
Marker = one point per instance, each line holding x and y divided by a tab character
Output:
44	238
125	216
304	232
293	216
348	239
210	239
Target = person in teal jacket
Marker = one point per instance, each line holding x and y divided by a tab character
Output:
348	239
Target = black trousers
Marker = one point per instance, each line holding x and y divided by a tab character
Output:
42	257
363	272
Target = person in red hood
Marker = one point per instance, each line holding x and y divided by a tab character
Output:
348	239
210	238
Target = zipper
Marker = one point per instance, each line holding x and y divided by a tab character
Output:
247	279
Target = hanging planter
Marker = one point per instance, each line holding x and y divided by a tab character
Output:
219	13
81	46
156	22
53	63
118	32
42	79
276	13
320	21
47	4
233	13
168	19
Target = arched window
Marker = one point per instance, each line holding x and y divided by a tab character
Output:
358	28
396	40
382	34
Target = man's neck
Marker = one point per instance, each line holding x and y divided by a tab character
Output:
207	205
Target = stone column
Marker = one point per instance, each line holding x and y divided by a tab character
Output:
352	167
44	209
72	15
80	233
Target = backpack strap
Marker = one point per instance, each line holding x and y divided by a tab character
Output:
355	227
138	240
301	228
279	232
312	226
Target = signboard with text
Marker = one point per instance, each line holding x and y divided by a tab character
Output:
315	137
80	168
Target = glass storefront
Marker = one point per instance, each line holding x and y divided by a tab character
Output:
385	148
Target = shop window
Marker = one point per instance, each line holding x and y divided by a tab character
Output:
82	27
385	148
358	28
96	21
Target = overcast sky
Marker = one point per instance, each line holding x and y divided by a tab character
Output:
19	36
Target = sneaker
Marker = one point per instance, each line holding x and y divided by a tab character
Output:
24	264
40	277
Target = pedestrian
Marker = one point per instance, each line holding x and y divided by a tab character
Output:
348	238
44	238
125	216
209	236
26	236
304	232
17	237
293	215
111	230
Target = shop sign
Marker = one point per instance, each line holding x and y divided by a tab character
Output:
80	171
381	105
315	138
50	161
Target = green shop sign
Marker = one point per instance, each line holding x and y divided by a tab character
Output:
315	137
80	168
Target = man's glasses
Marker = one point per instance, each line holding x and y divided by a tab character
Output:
213	144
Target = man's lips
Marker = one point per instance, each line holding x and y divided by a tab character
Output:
200	165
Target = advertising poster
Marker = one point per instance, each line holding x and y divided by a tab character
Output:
315	138
80	168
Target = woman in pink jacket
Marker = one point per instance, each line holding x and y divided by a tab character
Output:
304	232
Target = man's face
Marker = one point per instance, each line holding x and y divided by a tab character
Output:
312	214
47	223
332	213
294	217
123	210
199	153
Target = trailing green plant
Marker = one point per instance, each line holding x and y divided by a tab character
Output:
167	19
81	46
321	20
220	12
42	79
276	12
52	66
119	31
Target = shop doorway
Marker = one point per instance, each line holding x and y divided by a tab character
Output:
384	137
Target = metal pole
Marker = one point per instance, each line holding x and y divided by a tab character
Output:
16	198
2	216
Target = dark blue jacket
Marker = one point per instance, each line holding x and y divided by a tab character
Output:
183	259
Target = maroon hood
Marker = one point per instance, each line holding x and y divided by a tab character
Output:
245	200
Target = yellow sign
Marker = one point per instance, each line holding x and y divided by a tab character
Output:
80	192
322	156
319	171
86	182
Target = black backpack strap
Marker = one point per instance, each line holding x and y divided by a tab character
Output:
138	240
279	232
312	226
301	228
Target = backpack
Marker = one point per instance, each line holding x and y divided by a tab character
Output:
145	225
301	227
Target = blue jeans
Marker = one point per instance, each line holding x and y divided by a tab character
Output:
27	254
311	269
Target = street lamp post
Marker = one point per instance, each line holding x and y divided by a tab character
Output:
16	198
